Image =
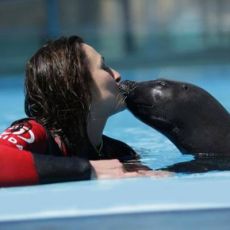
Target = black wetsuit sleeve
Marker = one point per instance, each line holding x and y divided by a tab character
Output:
113	148
20	167
61	169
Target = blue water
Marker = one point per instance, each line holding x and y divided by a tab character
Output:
156	150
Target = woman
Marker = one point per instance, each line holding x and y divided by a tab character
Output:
69	95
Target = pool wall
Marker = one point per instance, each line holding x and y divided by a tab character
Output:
140	203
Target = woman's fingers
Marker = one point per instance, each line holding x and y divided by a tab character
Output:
155	173
106	164
135	166
108	169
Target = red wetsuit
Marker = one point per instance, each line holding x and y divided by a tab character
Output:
30	155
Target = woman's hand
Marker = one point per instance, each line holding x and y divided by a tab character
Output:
108	169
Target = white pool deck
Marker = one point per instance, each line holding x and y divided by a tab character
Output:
138	203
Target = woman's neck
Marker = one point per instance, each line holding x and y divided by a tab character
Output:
95	129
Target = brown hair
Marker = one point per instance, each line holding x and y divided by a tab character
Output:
57	90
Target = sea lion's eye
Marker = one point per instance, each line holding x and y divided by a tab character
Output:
161	82
185	87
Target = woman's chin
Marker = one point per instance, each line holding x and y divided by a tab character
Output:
119	107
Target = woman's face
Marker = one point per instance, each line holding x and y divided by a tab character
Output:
106	98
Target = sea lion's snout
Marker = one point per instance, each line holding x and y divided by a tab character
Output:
126	87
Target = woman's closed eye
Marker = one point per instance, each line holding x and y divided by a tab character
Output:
105	67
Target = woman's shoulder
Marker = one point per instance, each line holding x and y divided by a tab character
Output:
113	148
25	134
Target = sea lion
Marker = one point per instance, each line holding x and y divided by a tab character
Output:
188	115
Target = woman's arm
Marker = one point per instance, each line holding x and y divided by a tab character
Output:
26	158
19	167
114	169
119	160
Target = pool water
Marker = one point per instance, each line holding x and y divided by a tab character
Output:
155	149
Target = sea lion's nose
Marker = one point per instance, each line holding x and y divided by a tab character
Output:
126	87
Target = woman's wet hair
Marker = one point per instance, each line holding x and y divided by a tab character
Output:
57	90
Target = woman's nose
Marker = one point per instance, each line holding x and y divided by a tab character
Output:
116	75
